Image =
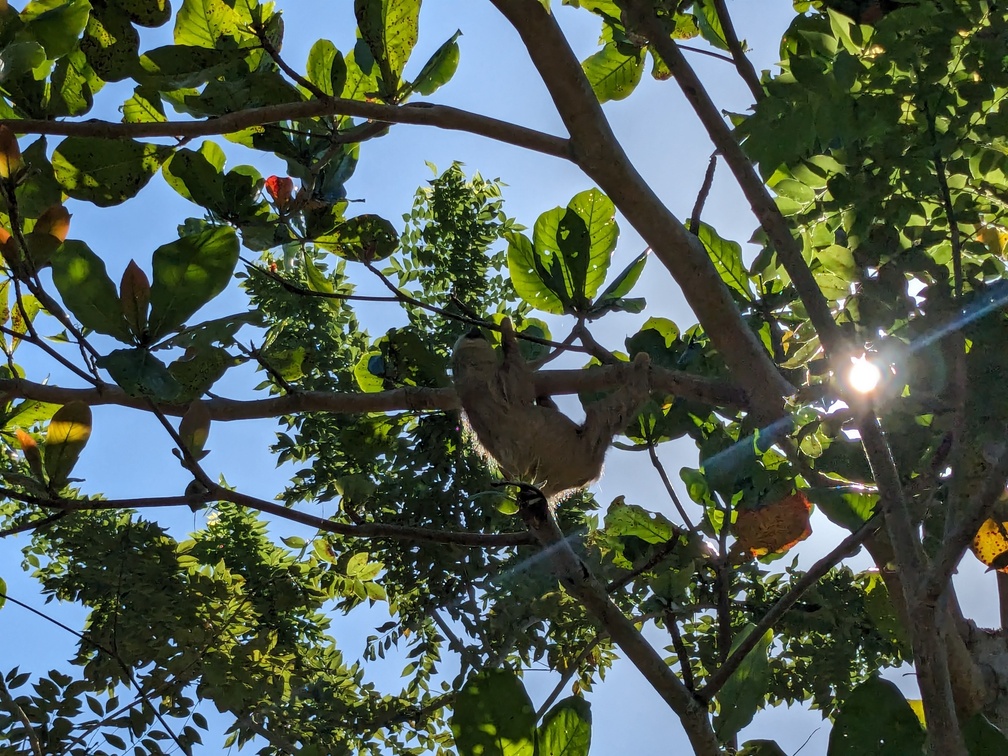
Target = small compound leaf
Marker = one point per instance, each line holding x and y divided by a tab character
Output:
139	373
188	273
194	429
106	172
68	432
87	291
134	294
494	716
566	728
875	718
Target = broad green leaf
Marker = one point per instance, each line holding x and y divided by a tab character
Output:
134	294
366	238
523	267
23	313
182	66
326	68
727	258
106	171
72	86
56	24
493	716
206	23
876	718
87	291
390	28
745	691
198	370
709	24
982	737
624	519
111	45
18	58
569	256
761	748
614	73
566	729
140	373
150	13
195	176
68	432
362	73
144	106
440	68
194	429
188	273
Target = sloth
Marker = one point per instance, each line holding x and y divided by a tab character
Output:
531	440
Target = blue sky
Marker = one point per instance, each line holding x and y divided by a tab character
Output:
129	456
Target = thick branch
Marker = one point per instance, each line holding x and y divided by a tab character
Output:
641	13
677	383
419	114
578	580
598	153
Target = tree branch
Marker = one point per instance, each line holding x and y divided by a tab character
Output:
595	149
578	580
847	547
418	114
742	63
18	712
410	399
641	13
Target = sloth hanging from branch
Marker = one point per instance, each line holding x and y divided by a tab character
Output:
525	434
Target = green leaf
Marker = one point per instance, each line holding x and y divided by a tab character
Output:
150	13
761	748
613	73
982	737
847	508
188	273
624	519
876	719
440	68
566	729
144	106
182	66
745	691
198	370
111	45
106	172
493	716
68	432
87	291
523	265
194	429
326	68
205	23
139	373
195	176
569	255
366	238
56	24
389	28
727	257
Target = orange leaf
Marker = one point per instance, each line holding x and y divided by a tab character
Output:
55	221
774	528
10	153
990	545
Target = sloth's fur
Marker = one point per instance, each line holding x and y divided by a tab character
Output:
525	434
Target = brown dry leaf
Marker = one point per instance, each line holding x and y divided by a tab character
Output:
990	545
774	528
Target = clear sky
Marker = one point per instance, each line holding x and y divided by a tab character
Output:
128	456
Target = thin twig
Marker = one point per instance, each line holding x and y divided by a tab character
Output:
742	63
669	488
685	669
568	673
701	200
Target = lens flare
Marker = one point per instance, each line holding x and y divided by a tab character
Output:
863	375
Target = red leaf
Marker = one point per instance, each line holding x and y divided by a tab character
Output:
280	190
